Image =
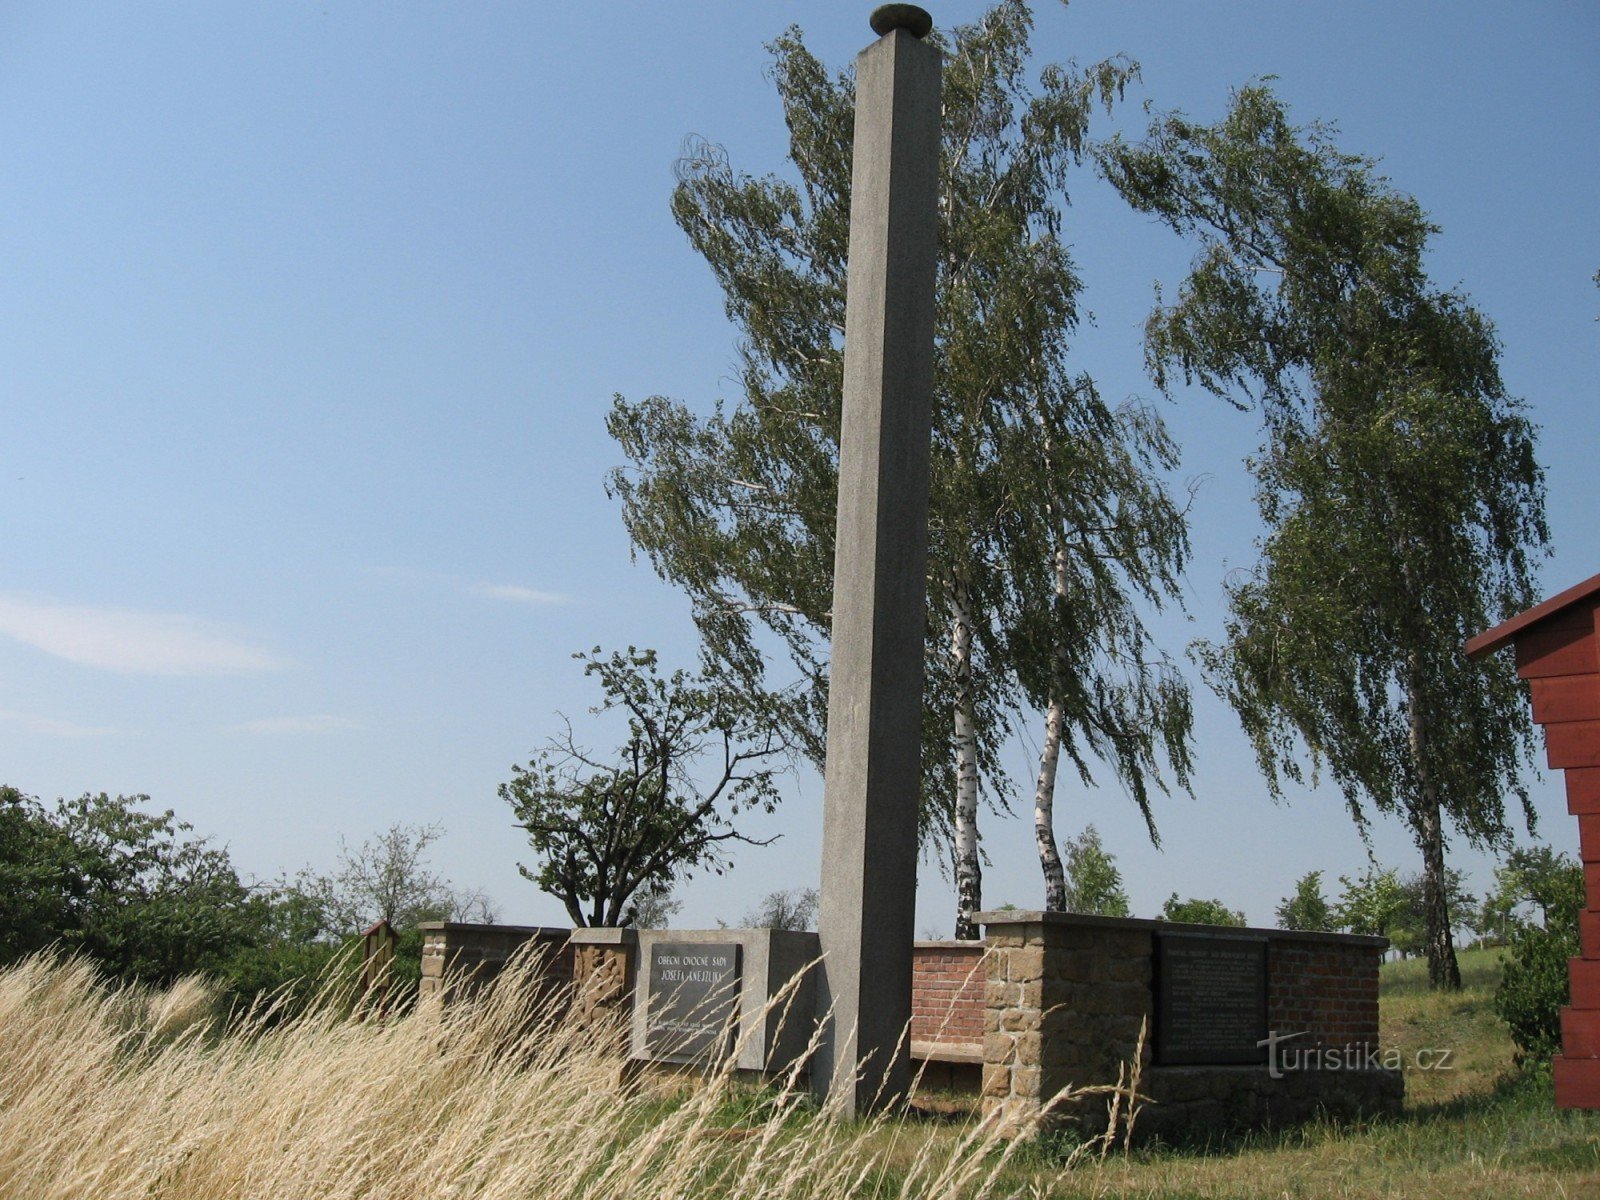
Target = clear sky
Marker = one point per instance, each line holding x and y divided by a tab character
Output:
310	314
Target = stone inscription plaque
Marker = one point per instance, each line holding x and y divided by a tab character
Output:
694	991
1211	999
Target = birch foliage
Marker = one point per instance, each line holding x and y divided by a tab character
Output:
1049	522
1397	481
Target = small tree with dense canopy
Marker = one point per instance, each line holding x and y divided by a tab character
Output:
1093	880
1308	908
1534	984
1373	903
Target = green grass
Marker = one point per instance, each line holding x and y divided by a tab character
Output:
1423	1025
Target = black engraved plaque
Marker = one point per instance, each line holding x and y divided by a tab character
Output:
694	992
1211	999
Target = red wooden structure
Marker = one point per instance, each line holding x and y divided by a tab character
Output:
1558	653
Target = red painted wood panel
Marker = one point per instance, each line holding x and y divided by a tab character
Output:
1572	744
1549	650
1566	698
1583	790
1589	933
1589	841
1578	599
1583	975
1591	885
1580	1032
1577	1081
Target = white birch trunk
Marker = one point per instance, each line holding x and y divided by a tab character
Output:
969	872
1044	814
1044	792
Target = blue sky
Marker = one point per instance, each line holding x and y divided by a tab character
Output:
310	315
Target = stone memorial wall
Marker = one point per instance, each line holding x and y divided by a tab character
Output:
1067	996
1045	1001
467	956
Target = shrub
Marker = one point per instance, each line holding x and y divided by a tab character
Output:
1534	985
1200	912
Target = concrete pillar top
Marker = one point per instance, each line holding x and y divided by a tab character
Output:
886	18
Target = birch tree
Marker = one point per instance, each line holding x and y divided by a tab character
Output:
1048	517
1397	480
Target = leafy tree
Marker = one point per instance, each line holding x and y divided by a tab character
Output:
292	956
1409	931
792	909
313	921
39	890
604	829
1397	480
1047	521
1201	912
388	878
1371	904
1533	984
1094	884
1525	887
129	888
1307	909
155	903
654	905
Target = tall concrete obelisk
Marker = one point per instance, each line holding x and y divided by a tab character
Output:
874	763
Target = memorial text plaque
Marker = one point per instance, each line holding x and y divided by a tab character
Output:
694	992
1211	999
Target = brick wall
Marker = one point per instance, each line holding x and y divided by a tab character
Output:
947	993
1327	989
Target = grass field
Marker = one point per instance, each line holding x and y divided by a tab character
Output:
110	1094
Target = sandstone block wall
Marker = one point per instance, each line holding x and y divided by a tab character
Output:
604	974
470	956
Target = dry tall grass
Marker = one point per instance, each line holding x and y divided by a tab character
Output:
108	1093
